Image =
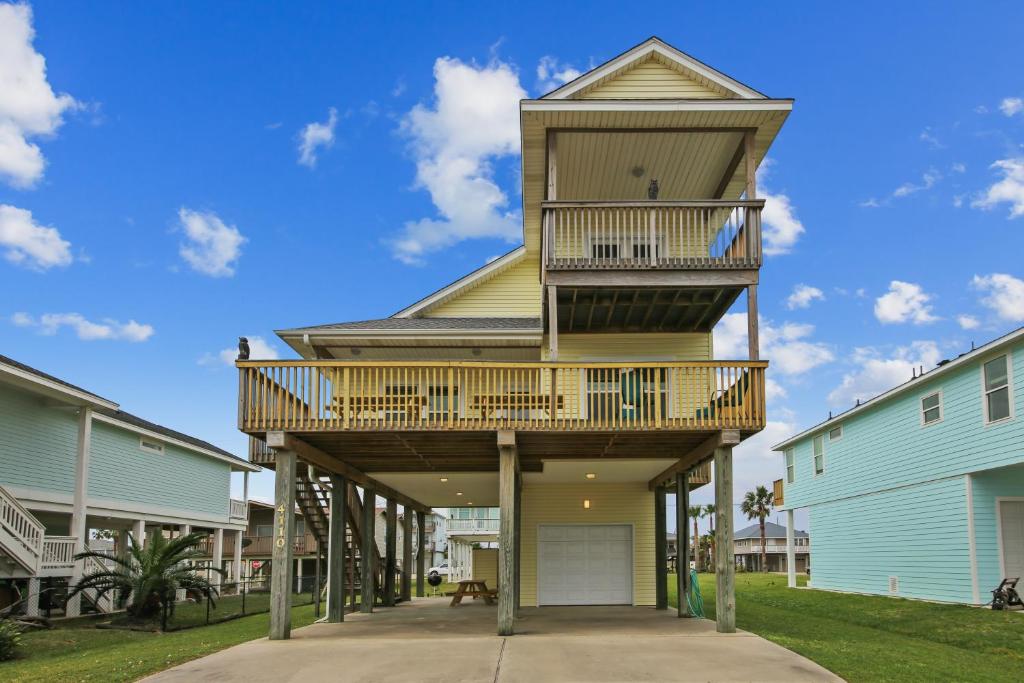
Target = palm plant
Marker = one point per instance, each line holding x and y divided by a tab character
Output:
757	504
695	512
149	577
709	510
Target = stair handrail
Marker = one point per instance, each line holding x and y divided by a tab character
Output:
22	524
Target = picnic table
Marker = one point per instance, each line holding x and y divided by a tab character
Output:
475	588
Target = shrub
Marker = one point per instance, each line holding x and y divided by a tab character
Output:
10	639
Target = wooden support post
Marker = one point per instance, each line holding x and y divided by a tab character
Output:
750	163
552	143
390	552
725	569
336	559
406	584
217	561
236	559
284	542
753	345
660	554
421	551
790	551
367	580
682	542
518	538
508	467
552	323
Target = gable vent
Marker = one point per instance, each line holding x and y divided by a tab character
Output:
894	584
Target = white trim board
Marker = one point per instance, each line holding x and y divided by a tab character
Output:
971	541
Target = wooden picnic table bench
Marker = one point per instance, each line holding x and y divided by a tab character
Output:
474	588
488	403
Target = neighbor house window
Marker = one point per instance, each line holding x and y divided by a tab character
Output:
790	466
150	445
819	454
604	250
931	408
997	389
835	433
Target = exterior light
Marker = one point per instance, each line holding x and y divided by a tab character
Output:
470	502
444	480
591	475
458	493
586	503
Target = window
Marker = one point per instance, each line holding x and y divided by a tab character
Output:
264	530
790	466
997	389
150	445
604	250
835	433
931	408
819	454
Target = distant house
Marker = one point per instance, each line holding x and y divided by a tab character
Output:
747	548
919	492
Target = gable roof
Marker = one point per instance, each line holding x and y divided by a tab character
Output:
655	47
50	384
426	324
771	530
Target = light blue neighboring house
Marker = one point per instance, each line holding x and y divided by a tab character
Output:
73	463
919	492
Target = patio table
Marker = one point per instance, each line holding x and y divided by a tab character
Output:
475	588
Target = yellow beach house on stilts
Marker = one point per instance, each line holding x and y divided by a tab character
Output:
572	382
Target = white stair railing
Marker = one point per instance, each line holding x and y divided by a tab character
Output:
21	534
104	603
58	553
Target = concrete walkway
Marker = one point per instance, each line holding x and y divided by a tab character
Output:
426	640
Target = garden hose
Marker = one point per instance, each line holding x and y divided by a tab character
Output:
693	599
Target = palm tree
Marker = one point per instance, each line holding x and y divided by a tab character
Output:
757	504
709	510
695	512
149	577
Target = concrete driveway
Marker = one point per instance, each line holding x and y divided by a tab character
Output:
426	640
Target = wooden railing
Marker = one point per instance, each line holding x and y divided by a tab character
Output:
259	545
307	396
654	234
58	552
479	526
21	534
238	509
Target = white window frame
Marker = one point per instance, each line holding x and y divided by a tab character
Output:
151	445
814	456
923	410
1009	388
790	456
838	438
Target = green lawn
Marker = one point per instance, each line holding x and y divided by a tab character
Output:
83	653
868	638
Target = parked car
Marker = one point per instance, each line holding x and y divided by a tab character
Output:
441	569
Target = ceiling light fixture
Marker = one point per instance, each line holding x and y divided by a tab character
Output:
458	493
586	503
591	475
444	480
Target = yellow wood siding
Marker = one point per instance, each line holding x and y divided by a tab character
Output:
512	293
485	566
651	80
640	346
609	504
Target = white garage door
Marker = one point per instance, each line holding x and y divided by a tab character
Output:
585	565
1011	524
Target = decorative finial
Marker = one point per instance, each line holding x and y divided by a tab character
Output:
243	348
652	189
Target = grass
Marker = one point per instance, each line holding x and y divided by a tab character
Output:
874	638
80	652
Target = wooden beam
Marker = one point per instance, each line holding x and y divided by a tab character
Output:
725	569
730	170
552	170
507	559
405	590
330	464
421	560
726	437
664	279
552	323
390	552
682	543
336	550
753	345
367	579
660	554
749	156
284	542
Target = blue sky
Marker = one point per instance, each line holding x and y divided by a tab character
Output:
189	183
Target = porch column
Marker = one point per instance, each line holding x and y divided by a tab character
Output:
367	582
683	543
552	324
507	557
749	154
517	529
725	569
284	544
79	528
405	590
421	551
790	551
236	559
218	557
183	530
390	552
32	599
139	532
336	550
660	553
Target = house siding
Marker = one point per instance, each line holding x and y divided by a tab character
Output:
485	566
1007	482
514	292
636	346
916	533
176	479
650	79
38	447
629	503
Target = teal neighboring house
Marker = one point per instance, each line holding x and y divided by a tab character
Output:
76	470
919	492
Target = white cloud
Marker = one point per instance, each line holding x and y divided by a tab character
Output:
967	322
1011	105
876	373
259	349
473	122
316	135
30	244
773	390
28	106
928	137
552	75
780	228
1009	190
928	180
84	329
803	295
958	167
213	247
904	302
785	346
1004	295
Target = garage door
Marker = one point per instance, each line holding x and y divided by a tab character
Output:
585	565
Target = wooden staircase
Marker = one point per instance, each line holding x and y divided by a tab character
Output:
21	537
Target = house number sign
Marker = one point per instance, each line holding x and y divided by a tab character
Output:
279	541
